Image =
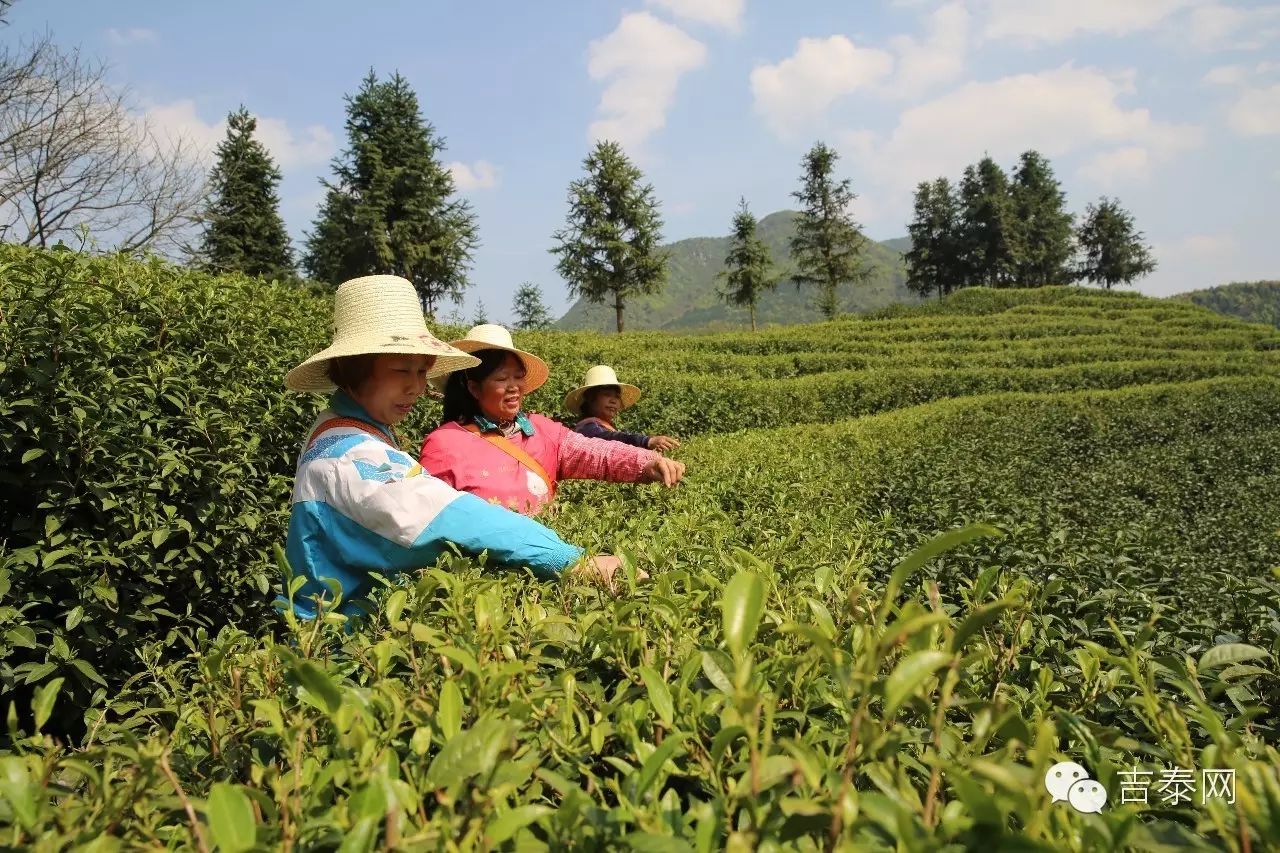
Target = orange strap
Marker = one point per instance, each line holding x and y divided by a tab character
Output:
350	422
500	441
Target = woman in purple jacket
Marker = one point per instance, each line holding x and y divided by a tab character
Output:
599	399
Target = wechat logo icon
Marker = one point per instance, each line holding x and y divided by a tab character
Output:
1068	781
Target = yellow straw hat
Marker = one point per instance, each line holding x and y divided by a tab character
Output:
599	376
493	336
373	315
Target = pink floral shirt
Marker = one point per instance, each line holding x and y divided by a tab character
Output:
467	462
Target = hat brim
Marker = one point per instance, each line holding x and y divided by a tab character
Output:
573	400
313	374
536	371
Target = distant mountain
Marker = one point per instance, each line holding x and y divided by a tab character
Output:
1254	301
690	297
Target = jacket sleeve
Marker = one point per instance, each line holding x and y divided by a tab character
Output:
593	429
417	515
582	458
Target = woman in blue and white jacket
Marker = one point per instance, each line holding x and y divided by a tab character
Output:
361	504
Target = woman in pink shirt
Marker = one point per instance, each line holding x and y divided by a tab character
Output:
488	445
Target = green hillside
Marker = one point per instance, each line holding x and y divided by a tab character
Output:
690	298
1253	301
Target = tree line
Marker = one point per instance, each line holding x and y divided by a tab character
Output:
997	230
77	160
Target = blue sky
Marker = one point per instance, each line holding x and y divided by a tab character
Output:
1171	105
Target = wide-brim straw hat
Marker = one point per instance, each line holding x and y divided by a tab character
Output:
597	377
493	336
377	314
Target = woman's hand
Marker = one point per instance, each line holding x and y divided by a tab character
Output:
662	470
604	569
663	443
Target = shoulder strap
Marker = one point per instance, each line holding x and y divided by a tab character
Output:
333	423
517	453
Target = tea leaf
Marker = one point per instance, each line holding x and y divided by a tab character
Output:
231	818
43	700
1229	653
909	674
659	694
742	606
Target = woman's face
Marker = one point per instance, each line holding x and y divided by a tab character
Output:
606	403
394	385
500	394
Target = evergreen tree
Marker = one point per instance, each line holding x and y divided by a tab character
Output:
390	208
1113	249
748	266
243	229
987	227
935	262
828	243
1042	237
482	314
529	309
608	248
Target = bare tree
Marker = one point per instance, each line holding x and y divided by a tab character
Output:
75	156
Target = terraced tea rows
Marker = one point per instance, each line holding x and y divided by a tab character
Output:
918	559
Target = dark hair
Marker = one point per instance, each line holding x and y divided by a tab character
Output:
349	372
459	405
589	398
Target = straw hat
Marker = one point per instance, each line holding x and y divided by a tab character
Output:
493	336
598	376
377	314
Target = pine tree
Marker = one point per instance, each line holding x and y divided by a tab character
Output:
481	316
529	309
1042	237
986	229
828	243
390	208
935	262
243	229
608	248
748	266
1113	249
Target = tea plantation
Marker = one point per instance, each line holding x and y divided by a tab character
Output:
919	558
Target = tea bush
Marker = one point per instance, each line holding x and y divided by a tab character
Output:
146	453
788	678
919	558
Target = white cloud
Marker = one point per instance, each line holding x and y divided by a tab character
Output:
643	60
1061	112
481	175
310	146
180	119
1256	112
1217	26
1117	166
1059	20
725	14
130	35
938	58
801	87
1199	247
1226	75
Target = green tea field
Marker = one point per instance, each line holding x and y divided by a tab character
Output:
918	559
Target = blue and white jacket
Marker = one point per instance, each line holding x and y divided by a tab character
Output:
361	505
